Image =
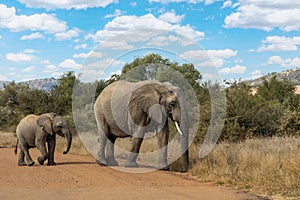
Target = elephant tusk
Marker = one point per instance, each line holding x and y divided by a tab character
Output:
178	129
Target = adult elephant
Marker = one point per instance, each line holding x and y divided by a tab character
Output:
126	109
36	131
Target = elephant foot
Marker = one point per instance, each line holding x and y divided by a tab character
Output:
131	164
164	168
41	160
30	163
184	170
21	163
52	163
112	162
101	162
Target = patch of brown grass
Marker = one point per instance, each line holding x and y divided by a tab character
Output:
269	166
7	139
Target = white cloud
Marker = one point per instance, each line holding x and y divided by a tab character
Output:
227	4
67	35
0	36
96	70
125	23
256	74
19	57
36	22
91	54
275	60
289	62
45	62
117	13
160	41
171	17
204	57
80	46
67	4
265	15
207	2
117	45
50	69
69	64
279	43
28	69
237	69
103	64
33	36
30	51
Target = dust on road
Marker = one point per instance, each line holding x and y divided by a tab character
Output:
79	177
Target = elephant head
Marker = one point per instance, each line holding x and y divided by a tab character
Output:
54	124
179	114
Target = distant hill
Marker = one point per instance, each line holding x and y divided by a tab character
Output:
41	84
292	75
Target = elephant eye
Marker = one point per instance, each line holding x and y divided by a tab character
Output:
173	104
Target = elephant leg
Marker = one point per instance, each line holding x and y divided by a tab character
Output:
41	145
101	152
110	151
21	161
162	138
135	148
51	149
25	150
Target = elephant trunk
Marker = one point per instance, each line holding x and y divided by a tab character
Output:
184	126
68	134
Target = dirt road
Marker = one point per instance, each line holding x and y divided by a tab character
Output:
78	177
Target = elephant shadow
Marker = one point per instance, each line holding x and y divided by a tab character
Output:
76	163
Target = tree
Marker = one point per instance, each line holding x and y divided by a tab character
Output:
61	94
275	89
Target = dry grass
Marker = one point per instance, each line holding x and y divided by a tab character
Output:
7	139
265	166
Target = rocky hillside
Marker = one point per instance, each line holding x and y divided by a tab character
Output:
292	75
41	84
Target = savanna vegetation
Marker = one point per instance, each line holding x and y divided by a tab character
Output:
259	148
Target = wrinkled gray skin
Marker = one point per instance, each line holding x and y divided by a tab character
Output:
126	109
36	131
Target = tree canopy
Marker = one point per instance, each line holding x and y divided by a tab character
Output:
272	111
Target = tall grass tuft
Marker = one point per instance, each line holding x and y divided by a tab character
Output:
269	166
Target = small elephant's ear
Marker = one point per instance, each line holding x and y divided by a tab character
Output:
44	122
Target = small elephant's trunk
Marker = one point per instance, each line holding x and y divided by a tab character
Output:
68	134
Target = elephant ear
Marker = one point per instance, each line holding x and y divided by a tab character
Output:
45	122
155	112
148	99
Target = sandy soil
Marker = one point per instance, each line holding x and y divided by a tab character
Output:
78	177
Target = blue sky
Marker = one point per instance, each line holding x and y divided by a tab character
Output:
243	38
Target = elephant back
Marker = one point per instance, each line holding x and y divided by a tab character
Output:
112	104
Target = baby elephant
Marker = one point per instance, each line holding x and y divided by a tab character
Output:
35	131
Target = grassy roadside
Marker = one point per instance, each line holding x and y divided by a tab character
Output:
267	167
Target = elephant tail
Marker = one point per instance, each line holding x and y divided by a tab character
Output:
16	147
